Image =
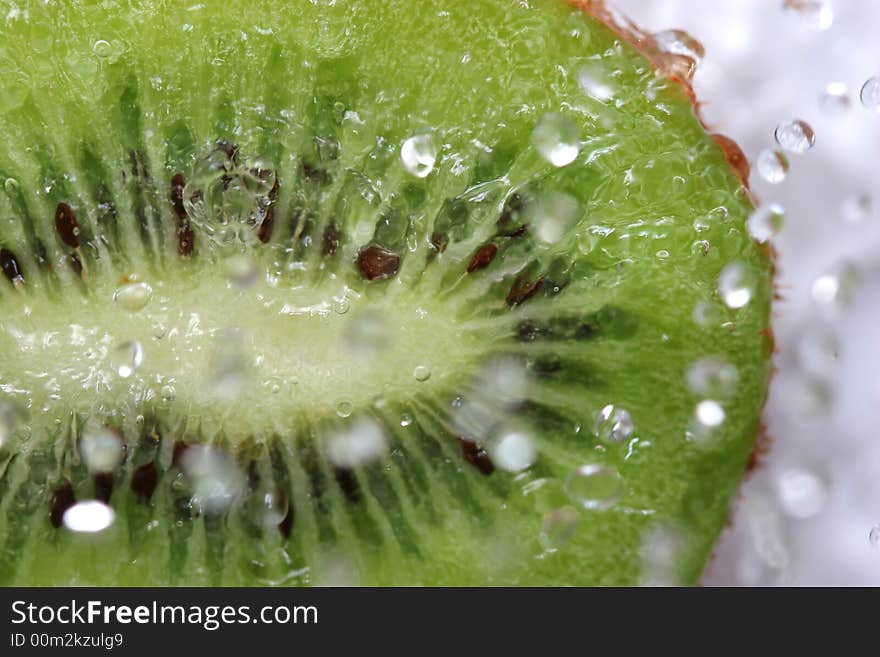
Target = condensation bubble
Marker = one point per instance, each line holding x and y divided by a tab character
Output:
557	139
418	154
344	408
421	373
834	99
558	527
870	94
613	424
101	450
772	166
553	215
795	136
367	333
88	517
133	296
127	358
362	442
856	208
766	222
594	486
713	377
801	493
513	452
215	478
241	270
102	48
595	83
735	285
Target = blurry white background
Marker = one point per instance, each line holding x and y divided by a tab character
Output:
806	515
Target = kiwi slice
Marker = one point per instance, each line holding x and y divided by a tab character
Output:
365	292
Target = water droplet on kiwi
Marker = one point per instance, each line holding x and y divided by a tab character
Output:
214	477
241	270
766	222
168	393
101	450
340	305
735	285
418	154
874	536
708	416
344	408
802	494
127	358
362	442
102	48
595	83
795	136
613	424
713	377
553	215
406	420
870	94
594	486
772	166
269	507
834	99
558	527
513	452
421	373
856	208
11	186
557	139
133	297
88	517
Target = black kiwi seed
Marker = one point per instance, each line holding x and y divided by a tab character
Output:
62	499
11	268
67	225
376	262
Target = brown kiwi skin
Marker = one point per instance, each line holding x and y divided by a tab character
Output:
647	45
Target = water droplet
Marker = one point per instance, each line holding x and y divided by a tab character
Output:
795	136
11	186
406	420
241	270
735	285
168	393
553	215
708	416
700	247
341	305
613	424
594	486
214	476
679	42
766	222
127	358
834	99
772	166
870	94
874	536
835	289
712	377
557	139
801	493
101	450
88	517
856	208
557	527
595	83
133	296
344	408
707	314
418	154
361	443
269	507
102	48
513	452
421	373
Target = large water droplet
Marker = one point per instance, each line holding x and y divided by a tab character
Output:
835	289
735	285
772	166
795	136
513	452
557	527
362	442
557	139
127	358
88	517
344	408
766	222
708	416
870	94
613	424
418	154
594	486
712	377
101	450
801	493
421	373
553	215
133	296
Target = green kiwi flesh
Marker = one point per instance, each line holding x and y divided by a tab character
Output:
341	292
